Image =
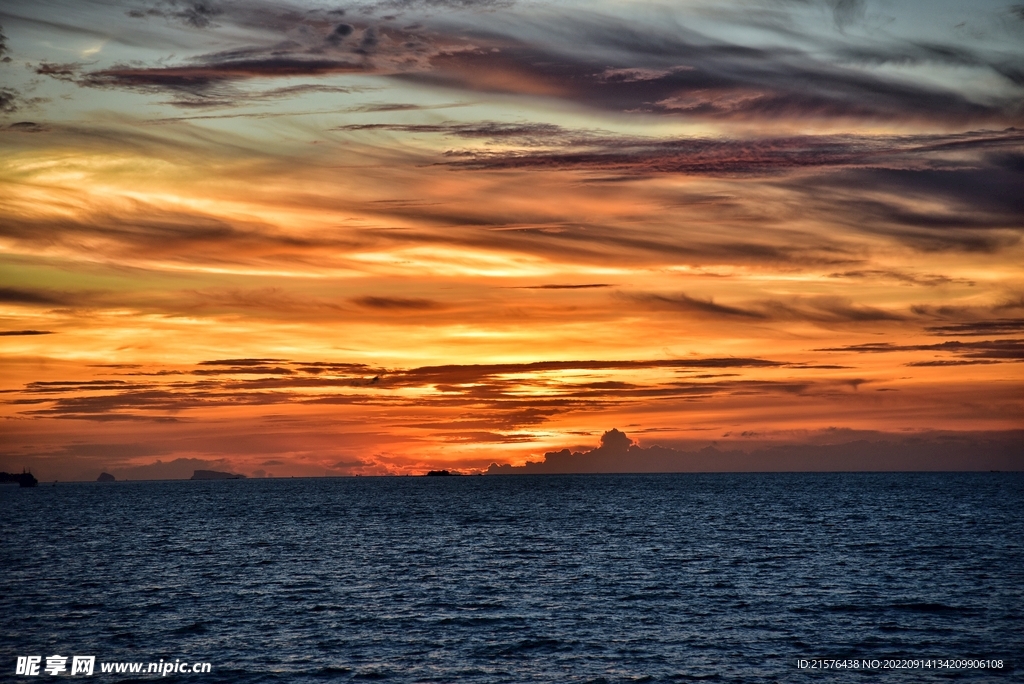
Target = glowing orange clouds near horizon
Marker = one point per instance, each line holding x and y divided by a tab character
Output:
434	246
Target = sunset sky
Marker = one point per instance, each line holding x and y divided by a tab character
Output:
383	237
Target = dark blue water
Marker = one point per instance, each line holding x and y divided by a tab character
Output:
520	579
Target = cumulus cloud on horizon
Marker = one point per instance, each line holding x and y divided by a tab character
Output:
618	453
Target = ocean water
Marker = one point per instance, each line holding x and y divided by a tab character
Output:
600	578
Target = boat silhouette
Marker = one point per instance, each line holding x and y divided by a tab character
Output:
24	479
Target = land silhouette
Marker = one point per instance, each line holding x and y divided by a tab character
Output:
618	453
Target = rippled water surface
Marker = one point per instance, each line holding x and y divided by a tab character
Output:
520	579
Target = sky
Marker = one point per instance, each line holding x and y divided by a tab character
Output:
308	239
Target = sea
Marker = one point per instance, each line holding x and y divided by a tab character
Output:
824	577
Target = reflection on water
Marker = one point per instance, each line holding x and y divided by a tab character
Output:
519	579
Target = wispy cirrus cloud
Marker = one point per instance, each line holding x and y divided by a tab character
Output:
909	278
198	14
1004	326
685	303
603	151
982	351
35	296
484	227
933	192
560	286
826	309
397	303
9	100
24	333
626	66
503	389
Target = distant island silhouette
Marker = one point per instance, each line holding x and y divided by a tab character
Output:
442	473
215	475
840	450
106	477
24	479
